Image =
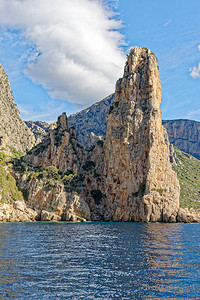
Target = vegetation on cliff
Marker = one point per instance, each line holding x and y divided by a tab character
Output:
9	191
188	169
126	177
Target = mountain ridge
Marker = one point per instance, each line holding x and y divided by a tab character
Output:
86	123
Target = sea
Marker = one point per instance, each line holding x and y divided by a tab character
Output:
99	260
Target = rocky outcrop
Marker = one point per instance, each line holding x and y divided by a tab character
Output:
60	148
12	128
54	178
185	135
53	200
16	212
126	178
185	216
39	129
140	184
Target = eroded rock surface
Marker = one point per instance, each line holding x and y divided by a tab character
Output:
140	184
12	128
16	212
60	148
126	178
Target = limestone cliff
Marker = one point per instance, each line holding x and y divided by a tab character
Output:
12	128
140	183
59	148
126	178
184	134
91	126
53	176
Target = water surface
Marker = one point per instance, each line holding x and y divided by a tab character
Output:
99	261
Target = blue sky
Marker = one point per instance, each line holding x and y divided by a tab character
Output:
67	55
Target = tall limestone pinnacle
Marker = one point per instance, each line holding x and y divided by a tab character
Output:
13	131
139	180
128	177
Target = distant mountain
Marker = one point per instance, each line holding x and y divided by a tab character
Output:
185	135
90	125
38	128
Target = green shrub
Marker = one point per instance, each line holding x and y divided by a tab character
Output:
8	188
160	191
16	153
2	157
68	172
52	172
188	169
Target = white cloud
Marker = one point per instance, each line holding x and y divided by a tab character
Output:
195	71
167	22
77	53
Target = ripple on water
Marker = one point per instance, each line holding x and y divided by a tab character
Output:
99	261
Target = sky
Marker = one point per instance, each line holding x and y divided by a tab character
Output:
65	55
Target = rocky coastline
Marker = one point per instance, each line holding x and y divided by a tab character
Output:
126	177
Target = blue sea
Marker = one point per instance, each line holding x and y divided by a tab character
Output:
99	261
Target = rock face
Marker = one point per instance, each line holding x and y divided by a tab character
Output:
16	212
59	148
185	135
39	129
52	201
12	127
55	187
126	178
90	123
140	184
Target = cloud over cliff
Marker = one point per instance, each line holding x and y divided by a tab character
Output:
76	52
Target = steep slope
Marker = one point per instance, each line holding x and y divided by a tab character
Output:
184	134
12	205
139	176
52	174
90	125
13	130
188	170
126	178
59	148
